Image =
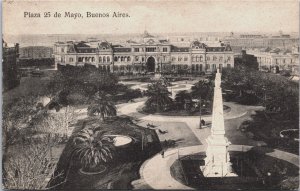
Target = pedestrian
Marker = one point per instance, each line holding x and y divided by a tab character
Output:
163	154
203	122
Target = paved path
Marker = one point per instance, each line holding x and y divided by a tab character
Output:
162	178
193	122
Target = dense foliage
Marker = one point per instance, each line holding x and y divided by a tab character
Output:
275	92
92	148
102	106
158	97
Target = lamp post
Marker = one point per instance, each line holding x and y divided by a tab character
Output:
200	107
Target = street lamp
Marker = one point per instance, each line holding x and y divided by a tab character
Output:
200	107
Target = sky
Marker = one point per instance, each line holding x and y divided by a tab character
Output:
160	16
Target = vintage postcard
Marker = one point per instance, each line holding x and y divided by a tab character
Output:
150	94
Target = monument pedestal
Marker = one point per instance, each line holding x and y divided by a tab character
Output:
217	161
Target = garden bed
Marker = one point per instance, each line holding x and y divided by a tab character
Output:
133	155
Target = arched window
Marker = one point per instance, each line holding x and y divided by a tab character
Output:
193	67
197	58
193	59
220	58
207	58
214	58
115	59
201	58
197	67
100	59
136	58
93	59
128	58
122	59
104	59
108	59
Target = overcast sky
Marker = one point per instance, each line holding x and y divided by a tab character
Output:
155	16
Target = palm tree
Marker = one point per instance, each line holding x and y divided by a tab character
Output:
102	106
158	96
203	89
182	97
92	148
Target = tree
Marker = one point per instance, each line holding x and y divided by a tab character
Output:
92	148
158	97
102	106
182	98
29	167
203	89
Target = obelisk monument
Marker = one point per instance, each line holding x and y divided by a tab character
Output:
217	161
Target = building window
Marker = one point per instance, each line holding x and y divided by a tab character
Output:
128	58
100	59
165	49
220	58
143	59
193	59
214	66
136	58
201	58
104	59
150	49
62	50
108	59
179	58
122	59
197	58
228	65
136	49
115	59
214	58
207	58
70	59
93	59
173	58
207	66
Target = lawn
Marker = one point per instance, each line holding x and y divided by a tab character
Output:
177	132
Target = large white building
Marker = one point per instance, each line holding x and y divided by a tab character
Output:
150	54
270	59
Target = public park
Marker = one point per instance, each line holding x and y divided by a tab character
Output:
79	129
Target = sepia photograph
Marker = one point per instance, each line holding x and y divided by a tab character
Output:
150	95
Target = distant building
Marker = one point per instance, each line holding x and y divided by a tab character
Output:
246	60
261	41
149	54
277	59
11	77
37	56
35	52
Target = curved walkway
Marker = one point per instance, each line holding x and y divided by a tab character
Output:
162	178
192	122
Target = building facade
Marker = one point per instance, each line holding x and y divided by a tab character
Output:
277	59
246	41
149	55
35	52
10	55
